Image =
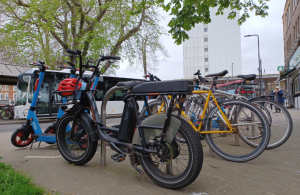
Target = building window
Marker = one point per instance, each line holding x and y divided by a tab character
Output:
287	16
206	59
206	69
299	26
6	96
1	96
1	87
15	88
296	30
14	96
205	29
205	39
295	2
206	49
6	87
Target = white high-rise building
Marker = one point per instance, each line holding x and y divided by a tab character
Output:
213	47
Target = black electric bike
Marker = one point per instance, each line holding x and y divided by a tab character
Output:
167	147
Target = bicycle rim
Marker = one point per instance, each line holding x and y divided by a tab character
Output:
75	148
234	146
280	121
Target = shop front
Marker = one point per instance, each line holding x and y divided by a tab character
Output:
292	77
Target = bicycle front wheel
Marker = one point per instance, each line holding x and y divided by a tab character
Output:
247	121
80	148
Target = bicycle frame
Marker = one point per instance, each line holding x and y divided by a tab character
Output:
222	116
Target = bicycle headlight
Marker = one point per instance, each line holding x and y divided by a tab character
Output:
25	112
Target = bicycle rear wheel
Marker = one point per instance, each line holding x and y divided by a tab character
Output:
181	162
247	120
154	108
280	121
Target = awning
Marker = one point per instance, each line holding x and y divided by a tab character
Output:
284	75
9	73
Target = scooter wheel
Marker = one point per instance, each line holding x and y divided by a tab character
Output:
50	130
16	139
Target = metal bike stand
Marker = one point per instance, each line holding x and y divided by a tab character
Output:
103	121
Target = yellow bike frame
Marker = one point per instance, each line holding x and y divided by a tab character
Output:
204	111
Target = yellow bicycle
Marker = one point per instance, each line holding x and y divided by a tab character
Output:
227	126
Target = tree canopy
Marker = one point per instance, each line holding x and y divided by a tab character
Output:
46	28
187	13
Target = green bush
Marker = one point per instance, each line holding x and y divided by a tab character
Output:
15	182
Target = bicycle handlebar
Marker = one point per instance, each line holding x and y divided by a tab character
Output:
71	64
74	52
109	58
40	63
200	77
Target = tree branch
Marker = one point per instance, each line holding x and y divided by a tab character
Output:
117	46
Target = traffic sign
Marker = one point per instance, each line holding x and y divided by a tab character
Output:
280	68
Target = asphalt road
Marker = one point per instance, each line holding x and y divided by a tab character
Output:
11	128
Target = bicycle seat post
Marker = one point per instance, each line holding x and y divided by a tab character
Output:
214	82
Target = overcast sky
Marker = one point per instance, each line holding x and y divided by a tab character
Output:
270	32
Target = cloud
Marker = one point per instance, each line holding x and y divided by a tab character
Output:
270	31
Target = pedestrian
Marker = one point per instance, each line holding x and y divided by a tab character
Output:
278	96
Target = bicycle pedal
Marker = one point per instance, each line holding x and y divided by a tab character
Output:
118	157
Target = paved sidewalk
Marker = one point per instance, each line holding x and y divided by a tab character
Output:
274	172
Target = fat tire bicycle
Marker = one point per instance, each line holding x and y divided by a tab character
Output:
164	145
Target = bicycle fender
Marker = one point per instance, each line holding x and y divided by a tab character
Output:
157	120
53	125
92	131
27	129
263	96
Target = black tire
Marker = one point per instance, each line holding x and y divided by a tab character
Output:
194	164
63	140
50	130
16	139
153	107
217	140
277	139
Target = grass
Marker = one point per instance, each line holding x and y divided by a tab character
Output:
15	182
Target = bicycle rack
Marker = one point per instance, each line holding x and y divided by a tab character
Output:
103	121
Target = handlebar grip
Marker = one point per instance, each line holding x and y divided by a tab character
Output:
77	52
111	58
197	73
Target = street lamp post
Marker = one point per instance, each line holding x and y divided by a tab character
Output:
259	61
232	70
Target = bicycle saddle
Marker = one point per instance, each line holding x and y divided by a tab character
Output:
248	77
164	86
219	74
129	84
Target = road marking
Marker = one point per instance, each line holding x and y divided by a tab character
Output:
42	156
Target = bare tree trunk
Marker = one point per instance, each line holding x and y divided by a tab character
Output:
144	57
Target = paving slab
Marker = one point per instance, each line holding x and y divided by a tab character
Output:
275	172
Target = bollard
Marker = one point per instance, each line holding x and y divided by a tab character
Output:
103	121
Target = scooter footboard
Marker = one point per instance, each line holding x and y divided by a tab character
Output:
150	133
